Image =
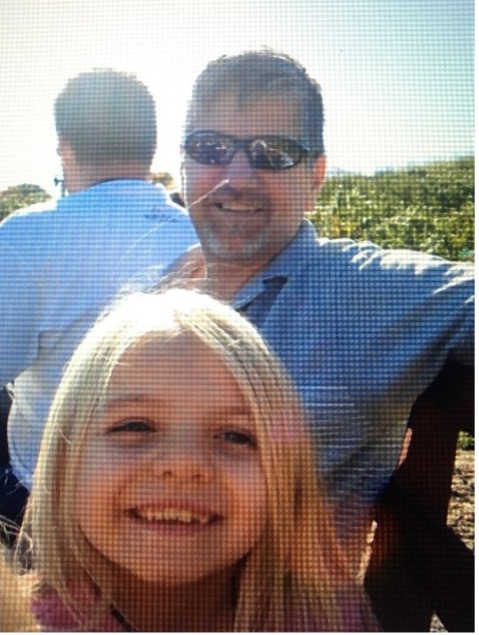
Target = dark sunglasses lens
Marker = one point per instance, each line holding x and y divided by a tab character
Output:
274	153
209	149
264	153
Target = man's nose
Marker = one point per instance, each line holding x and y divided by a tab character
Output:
239	170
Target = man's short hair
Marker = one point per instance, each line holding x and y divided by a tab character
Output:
107	116
256	74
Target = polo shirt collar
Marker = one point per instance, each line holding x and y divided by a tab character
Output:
288	264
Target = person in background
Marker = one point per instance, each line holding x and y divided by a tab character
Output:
61	266
175	489
361	330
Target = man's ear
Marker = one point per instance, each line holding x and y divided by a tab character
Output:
318	174
74	175
182	175
64	150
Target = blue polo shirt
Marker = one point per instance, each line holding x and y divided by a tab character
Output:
61	265
362	331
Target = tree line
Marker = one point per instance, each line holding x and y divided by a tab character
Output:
429	208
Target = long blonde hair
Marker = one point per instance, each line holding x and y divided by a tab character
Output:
297	576
15	613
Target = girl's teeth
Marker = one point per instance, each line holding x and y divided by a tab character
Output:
170	514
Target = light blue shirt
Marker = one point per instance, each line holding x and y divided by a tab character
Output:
60	267
362	331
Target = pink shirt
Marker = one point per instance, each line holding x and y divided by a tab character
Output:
53	616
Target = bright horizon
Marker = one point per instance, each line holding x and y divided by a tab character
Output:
397	76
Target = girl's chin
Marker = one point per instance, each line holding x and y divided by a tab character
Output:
166	579
170	580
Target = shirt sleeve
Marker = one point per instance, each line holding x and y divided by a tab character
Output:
413	308
438	302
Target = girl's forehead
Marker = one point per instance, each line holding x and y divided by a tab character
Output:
170	367
155	349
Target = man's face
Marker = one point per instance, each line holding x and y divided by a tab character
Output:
245	215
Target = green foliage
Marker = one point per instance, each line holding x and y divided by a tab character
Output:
20	196
428	208
165	178
465	441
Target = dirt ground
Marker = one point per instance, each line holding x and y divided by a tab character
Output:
461	506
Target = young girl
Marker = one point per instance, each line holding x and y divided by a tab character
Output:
175	489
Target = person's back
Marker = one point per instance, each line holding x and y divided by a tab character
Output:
62	266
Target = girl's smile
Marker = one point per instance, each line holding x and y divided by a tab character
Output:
175	514
172	486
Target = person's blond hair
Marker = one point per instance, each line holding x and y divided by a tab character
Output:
15	613
296	577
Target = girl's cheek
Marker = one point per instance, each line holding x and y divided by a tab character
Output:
287	428
99	466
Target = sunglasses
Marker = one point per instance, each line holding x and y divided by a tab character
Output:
267	152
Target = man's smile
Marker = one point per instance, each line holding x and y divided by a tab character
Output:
237	207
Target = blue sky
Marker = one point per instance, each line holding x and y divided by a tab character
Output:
397	75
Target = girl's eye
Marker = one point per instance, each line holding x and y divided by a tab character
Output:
133	425
238	438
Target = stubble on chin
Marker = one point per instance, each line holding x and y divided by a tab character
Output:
225	250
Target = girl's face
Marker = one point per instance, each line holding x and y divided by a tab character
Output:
172	488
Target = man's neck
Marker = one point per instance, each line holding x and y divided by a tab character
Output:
221	279
116	178
89	175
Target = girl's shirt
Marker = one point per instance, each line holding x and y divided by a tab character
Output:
53	616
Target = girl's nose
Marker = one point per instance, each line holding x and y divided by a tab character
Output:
183	465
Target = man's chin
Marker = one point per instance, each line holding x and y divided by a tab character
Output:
234	249
240	255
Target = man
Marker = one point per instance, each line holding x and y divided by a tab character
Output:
362	330
62	266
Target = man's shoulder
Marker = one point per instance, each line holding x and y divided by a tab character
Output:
36	208
103	201
310	248
34	211
34	221
314	260
118	198
366	255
